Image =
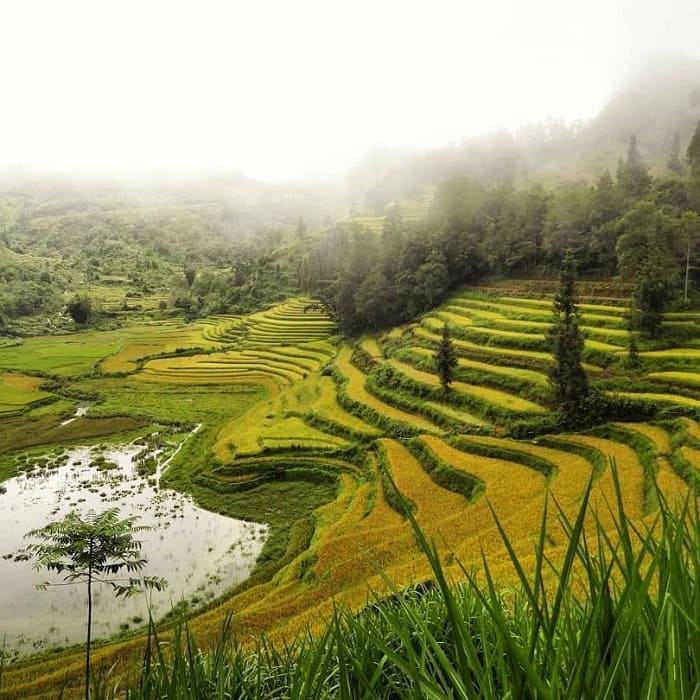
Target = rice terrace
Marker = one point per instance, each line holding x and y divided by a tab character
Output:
327	443
284	416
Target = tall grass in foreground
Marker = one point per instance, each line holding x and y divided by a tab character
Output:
618	615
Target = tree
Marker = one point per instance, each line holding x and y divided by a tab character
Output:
690	242
93	550
633	176
445	359
633	361
693	153
567	376
674	162
80	308
605	209
432	279
647	254
190	274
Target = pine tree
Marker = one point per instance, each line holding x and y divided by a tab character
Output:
693	153
445	359
674	162
567	376
634	362
633	176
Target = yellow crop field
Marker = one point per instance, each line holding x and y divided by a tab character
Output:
669	483
630	473
456	414
573	472
693	427
310	433
687	378
493	368
356	390
674	354
598	345
277	422
292	432
524	326
326	405
370	346
692	455
662	398
516	493
18	391
431	324
456	319
433	503
124	360
500	398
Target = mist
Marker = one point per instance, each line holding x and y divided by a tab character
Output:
281	90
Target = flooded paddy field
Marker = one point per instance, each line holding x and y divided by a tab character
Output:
201	554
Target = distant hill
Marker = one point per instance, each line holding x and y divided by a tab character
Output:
659	98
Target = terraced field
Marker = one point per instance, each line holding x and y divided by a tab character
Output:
369	429
19	392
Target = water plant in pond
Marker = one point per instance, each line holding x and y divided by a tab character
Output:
93	550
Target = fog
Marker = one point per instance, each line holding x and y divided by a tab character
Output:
284	89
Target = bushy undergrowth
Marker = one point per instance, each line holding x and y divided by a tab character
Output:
616	615
596	409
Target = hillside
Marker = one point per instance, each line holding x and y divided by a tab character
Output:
658	99
314	453
216	350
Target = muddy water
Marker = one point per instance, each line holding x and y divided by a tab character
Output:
201	554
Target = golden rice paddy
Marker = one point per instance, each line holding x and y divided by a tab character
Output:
318	404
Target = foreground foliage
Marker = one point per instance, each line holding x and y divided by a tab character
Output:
615	617
90	551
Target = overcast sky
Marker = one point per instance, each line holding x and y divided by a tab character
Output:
289	87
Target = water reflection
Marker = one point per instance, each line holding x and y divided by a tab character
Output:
201	554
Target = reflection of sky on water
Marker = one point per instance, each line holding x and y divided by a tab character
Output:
201	554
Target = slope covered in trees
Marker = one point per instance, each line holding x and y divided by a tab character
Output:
644	229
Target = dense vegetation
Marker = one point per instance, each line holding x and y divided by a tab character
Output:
132	248
645	229
308	435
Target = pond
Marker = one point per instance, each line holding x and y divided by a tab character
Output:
199	553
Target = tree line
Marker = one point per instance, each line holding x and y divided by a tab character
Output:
644	229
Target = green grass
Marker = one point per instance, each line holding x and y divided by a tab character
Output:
164	403
65	356
662	398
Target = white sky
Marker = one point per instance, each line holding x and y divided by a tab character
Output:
280	88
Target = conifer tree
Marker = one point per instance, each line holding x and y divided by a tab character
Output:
634	362
567	376
674	162
445	359
693	153
633	176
